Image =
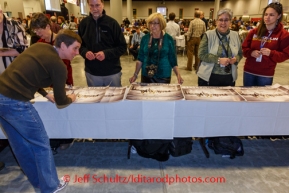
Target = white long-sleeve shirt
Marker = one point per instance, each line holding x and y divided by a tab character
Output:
173	29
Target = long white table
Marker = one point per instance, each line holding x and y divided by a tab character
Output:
164	119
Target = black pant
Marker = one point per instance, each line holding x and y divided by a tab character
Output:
145	79
2	165
134	51
217	80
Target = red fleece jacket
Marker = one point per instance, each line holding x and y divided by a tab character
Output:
278	43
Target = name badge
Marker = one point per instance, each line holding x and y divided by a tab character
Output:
259	59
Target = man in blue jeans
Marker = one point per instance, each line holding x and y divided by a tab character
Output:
37	67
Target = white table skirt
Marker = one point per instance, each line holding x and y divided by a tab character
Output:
164	119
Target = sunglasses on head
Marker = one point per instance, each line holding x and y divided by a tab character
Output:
275	3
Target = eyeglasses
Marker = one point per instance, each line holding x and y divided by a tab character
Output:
154	23
223	20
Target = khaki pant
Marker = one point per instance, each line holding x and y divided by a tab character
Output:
192	49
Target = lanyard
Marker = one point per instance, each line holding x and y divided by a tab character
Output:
264	39
160	45
224	49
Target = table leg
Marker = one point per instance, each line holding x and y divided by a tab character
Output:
128	149
203	145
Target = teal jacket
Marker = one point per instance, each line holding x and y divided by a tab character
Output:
167	57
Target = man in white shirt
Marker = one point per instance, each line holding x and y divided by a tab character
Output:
173	29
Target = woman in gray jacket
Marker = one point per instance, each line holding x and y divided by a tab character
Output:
220	52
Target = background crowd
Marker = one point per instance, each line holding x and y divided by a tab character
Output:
217	47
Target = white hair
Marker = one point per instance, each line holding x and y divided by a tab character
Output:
225	10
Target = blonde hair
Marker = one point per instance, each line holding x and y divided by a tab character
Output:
158	16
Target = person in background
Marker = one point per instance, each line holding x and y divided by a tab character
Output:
54	25
133	29
72	25
135	42
157	56
202	17
8	39
173	29
41	25
37	67
33	37
102	45
61	22
196	29
28	20
220	52
122	27
13	41
126	22
234	20
264	47
24	24
64	12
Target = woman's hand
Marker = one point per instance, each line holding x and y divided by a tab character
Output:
50	97
133	78
265	51
233	60
180	79
256	53
224	61
137	70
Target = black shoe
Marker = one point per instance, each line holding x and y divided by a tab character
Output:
2	165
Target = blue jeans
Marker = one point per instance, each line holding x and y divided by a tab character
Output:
29	142
253	80
112	80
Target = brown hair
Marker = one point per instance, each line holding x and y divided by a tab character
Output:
62	18
198	14
102	1
39	20
262	27
172	16
68	37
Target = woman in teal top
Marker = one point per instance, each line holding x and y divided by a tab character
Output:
157	55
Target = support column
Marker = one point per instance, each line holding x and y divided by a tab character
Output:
116	10
129	10
216	8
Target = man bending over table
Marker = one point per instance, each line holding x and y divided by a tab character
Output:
37	67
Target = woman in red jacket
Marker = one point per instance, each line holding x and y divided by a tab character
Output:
264	47
41	26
